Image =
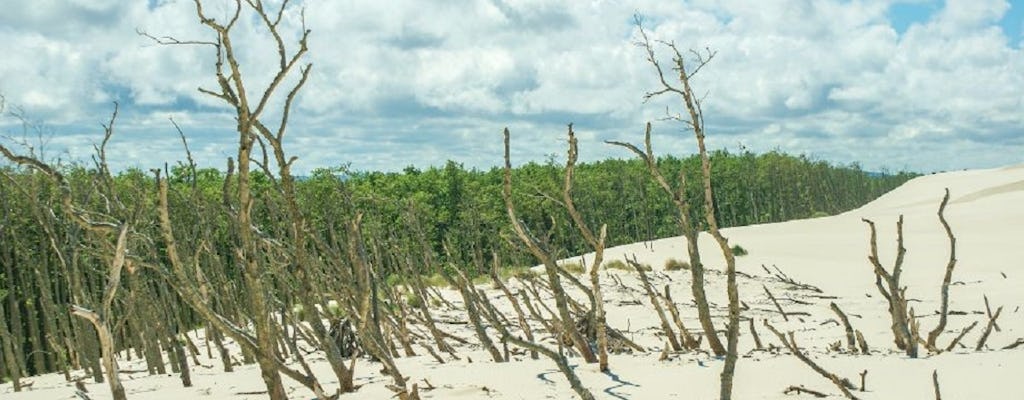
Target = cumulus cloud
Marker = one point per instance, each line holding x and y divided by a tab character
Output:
418	82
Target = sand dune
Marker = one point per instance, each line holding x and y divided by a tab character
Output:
986	213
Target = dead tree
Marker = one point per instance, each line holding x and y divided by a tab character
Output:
904	324
552	269
888	285
695	121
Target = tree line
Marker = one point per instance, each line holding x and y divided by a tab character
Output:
460	211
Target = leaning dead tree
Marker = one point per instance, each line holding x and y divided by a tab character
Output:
553	271
566	324
695	121
598	320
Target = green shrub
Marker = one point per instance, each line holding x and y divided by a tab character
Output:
673	264
738	251
413	300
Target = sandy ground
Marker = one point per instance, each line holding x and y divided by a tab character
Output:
986	212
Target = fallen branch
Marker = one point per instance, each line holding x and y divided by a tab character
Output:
801	390
1014	345
960	336
776	302
843	384
991	324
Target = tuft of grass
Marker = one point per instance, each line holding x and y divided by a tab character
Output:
435	280
573	267
820	214
617	264
738	251
623	266
673	264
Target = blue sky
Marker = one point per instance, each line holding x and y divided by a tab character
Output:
919	85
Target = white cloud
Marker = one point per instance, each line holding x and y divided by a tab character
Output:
413	82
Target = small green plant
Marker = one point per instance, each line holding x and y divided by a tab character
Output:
413	300
738	251
673	264
435	280
393	280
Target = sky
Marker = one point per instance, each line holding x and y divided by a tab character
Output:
893	85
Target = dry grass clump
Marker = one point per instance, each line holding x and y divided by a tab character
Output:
622	266
674	264
573	267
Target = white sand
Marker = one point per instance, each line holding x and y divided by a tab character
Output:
987	216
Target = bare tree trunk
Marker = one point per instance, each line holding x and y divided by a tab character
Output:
100	320
696	123
944	310
8	350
